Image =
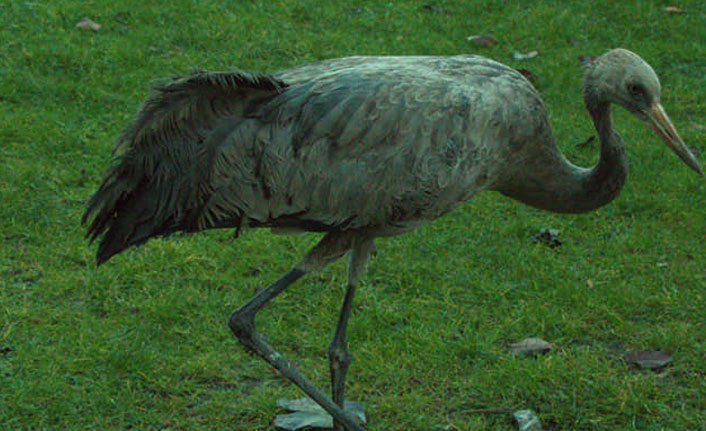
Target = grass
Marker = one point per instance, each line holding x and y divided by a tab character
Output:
141	343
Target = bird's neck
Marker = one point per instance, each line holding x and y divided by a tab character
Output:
560	186
602	183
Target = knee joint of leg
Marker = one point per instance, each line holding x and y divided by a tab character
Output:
242	324
340	354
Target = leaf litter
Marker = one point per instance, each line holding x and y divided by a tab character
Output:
308	414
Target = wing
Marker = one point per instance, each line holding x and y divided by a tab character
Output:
147	192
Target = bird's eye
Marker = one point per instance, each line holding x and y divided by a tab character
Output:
634	89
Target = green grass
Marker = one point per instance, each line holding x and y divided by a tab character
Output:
142	342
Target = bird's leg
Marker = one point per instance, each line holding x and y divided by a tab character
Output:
242	322
338	353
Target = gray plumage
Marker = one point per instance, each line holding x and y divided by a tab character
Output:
377	143
384	144
357	147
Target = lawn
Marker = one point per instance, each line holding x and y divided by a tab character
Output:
141	343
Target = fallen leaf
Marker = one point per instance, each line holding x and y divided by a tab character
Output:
483	39
549	237
520	56
648	359
589	283
527	74
530	346
662	264
584	60
300	420
527	420
308	414
88	24
673	9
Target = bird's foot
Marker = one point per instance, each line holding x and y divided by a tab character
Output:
306	413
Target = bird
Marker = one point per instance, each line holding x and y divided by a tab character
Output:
356	149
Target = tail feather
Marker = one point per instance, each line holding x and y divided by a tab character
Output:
159	181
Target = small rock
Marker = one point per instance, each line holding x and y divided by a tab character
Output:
530	346
520	56
527	420
88	24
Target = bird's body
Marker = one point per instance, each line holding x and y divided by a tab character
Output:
358	148
382	144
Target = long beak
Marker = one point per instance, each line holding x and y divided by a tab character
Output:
658	121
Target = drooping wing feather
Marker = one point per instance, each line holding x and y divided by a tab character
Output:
147	192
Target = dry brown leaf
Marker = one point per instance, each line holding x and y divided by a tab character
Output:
483	39
648	359
88	24
527	74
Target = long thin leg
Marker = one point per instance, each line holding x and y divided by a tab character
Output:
242	323
338	353
339	356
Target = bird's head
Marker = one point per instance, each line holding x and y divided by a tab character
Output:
622	77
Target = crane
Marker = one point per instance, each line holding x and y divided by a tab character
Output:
356	148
